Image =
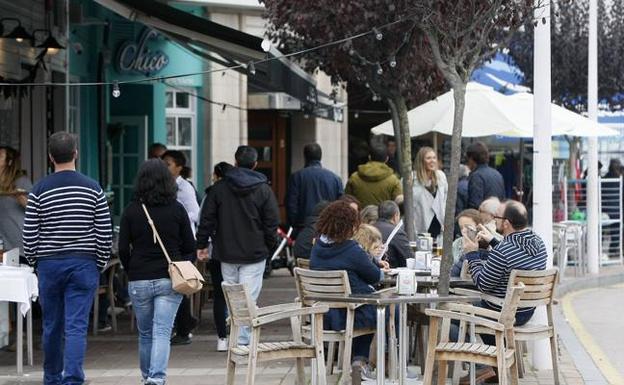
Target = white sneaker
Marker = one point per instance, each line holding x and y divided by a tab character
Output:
222	345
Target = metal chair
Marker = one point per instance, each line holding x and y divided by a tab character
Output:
109	290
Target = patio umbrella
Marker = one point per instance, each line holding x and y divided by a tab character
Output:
489	112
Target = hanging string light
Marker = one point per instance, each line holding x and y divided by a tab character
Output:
251	68
379	69
116	90
377	33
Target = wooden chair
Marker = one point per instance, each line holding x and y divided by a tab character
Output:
501	355
109	290
243	312
303	263
539	289
313	282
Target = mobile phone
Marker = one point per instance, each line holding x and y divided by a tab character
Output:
471	232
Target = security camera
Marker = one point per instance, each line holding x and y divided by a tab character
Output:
77	48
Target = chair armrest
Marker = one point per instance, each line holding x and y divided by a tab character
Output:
386	290
278	308
301	311
471	309
111	262
484	296
446	314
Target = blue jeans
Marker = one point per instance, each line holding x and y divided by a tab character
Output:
155	305
249	274
67	287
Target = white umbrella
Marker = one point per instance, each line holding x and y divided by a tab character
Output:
489	112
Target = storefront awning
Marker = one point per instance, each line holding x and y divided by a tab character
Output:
223	45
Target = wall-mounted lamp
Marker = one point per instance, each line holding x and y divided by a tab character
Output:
50	43
18	33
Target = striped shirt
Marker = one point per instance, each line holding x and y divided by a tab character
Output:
67	215
521	250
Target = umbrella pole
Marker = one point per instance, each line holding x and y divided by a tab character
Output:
435	142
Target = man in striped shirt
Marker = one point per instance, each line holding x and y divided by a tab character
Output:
520	249
67	238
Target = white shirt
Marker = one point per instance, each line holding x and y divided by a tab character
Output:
186	196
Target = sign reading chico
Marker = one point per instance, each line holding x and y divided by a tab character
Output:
133	57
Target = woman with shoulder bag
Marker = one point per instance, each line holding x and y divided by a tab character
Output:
154	300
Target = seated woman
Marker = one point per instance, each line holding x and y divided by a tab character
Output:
468	222
335	250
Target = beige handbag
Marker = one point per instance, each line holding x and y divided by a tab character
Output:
185	278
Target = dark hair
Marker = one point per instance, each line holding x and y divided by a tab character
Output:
153	148
186	172
221	168
615	165
62	147
246	156
516	214
154	185
478	152
378	152
178	157
387	210
312	152
338	221
350	199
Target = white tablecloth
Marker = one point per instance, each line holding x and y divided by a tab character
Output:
18	284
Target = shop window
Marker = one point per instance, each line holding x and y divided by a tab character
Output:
181	124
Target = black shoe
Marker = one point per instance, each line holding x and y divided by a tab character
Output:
180	340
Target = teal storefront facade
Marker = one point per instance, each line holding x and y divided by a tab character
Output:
116	130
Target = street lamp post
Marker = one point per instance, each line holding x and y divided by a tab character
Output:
593	215
542	157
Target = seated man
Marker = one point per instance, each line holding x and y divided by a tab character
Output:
487	210
399	248
520	249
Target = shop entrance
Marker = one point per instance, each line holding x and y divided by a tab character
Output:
267	134
128	150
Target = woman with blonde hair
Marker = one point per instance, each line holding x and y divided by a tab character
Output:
14	189
430	191
370	240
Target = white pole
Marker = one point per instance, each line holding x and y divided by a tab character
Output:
593	216
542	158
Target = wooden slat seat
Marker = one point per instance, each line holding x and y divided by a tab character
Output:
244	313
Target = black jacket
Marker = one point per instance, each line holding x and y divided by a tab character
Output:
398	249
484	182
241	216
305	238
140	256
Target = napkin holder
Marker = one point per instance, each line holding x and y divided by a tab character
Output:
406	282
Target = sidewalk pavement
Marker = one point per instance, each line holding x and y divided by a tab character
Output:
112	359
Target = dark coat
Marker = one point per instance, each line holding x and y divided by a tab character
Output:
305	238
362	274
462	195
307	187
241	216
398	249
484	182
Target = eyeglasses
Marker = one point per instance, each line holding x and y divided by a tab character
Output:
501	218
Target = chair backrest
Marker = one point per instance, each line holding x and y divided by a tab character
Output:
303	263
241	307
319	282
512	298
539	286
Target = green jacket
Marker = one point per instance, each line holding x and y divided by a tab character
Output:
373	183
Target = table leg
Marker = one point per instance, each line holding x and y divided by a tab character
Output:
403	343
20	343
392	345
29	337
381	344
473	367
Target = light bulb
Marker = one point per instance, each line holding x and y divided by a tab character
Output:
393	62
19	39
379	69
356	115
378	34
266	45
251	68
116	90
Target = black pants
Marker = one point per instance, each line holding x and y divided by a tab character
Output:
184	321
218	307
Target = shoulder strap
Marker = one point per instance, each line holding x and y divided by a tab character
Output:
156	236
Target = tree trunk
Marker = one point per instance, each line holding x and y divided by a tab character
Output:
398	111
459	94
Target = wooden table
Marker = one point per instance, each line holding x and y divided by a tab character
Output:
381	301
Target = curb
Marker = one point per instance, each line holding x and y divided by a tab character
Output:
569	285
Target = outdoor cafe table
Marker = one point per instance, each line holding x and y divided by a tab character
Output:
19	284
381	301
